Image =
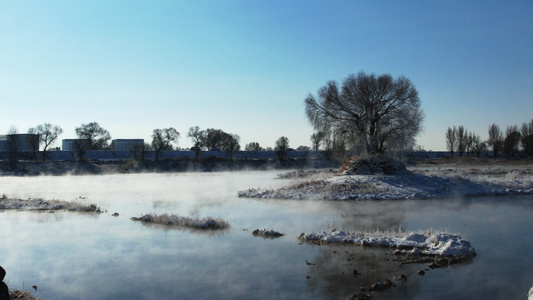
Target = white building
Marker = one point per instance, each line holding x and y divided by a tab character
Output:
19	142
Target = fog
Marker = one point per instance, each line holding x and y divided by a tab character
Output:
72	255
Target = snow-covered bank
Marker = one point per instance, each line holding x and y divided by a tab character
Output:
434	184
40	204
166	219
422	243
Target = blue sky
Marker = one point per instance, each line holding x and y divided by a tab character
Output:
246	66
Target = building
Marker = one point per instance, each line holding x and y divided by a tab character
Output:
19	142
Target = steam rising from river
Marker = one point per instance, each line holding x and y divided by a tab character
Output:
139	193
73	255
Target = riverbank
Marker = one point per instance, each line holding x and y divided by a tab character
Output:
423	179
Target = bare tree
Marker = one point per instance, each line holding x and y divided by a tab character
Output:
378	112
212	138
97	136
451	135
475	145
316	139
253	146
230	144
462	140
197	137
162	140
48	134
511	141
527	138
470	143
495	141
139	151
282	146
217	139
33	140
81	146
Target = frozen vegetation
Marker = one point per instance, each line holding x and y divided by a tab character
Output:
22	295
429	242
171	219
267	233
387	181
40	204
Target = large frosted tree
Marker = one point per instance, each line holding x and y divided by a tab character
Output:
367	112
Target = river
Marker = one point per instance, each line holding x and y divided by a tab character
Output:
70	255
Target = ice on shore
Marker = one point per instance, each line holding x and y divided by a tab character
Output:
433	243
406	186
40	204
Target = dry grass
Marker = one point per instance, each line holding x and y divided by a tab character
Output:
267	233
353	188
171	219
22	295
391	233
42	204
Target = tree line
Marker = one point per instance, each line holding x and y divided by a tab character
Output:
513	142
92	136
366	115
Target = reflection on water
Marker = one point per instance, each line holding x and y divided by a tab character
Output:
98	256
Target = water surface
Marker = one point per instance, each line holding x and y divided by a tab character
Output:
98	256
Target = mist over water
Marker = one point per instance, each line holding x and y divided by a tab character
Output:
97	256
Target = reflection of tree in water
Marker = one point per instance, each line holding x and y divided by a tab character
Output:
331	272
169	228
371	215
46	217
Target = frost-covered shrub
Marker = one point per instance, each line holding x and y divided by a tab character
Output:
374	165
41	204
166	219
267	233
420	243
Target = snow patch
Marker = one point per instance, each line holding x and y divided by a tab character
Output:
434	185
433	243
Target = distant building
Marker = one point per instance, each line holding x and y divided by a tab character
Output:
70	144
19	142
126	144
